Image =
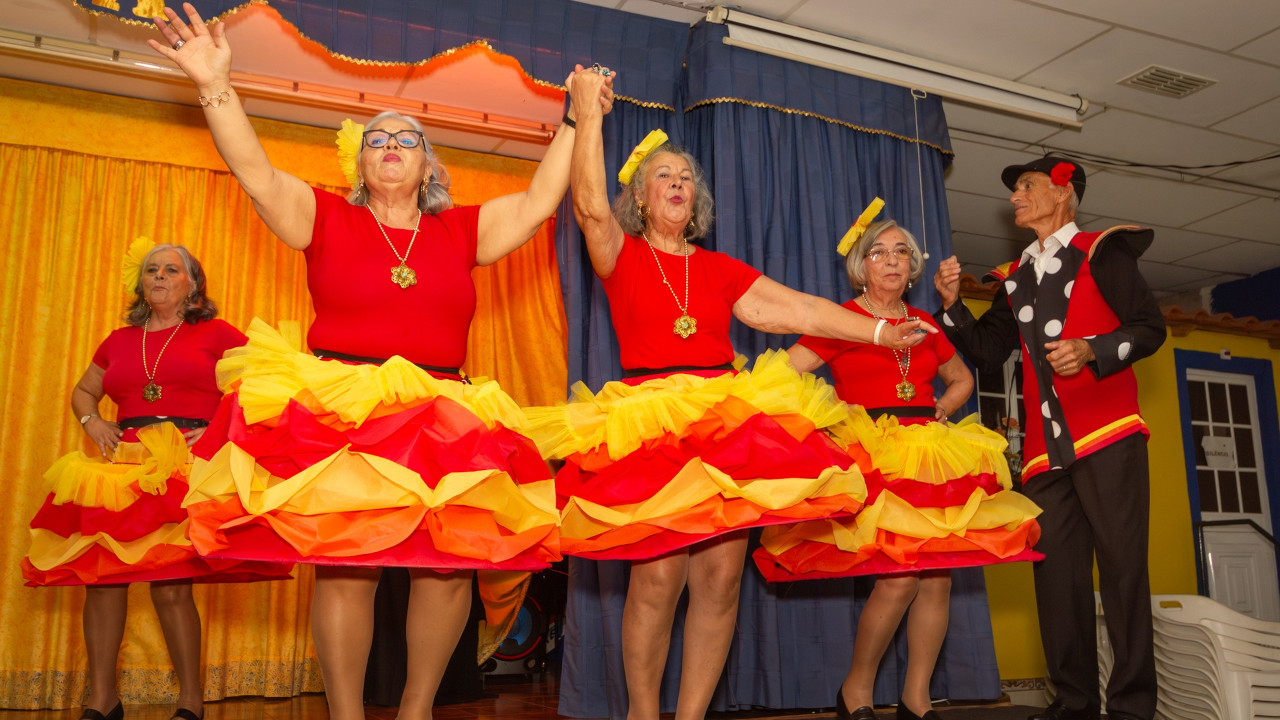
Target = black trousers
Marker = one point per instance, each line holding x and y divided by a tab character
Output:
1099	505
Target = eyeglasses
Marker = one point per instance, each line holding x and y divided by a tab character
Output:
881	254
404	138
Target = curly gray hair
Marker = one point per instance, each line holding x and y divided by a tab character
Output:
626	207
433	195
857	270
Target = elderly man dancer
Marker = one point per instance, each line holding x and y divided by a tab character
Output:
1082	313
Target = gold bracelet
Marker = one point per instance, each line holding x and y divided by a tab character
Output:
216	100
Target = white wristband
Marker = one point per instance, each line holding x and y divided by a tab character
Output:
875	337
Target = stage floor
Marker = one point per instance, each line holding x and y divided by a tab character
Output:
508	699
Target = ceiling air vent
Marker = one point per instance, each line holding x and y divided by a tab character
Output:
1167	82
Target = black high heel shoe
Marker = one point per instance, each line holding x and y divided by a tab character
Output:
904	713
862	713
185	714
116	713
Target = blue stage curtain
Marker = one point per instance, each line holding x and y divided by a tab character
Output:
793	154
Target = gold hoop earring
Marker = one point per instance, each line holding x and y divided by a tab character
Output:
691	228
642	210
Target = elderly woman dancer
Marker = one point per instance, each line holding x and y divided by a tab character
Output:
938	495
379	454
669	467
108	523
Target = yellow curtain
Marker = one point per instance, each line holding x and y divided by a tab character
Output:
83	175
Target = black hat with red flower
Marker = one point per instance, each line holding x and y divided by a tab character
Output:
1059	169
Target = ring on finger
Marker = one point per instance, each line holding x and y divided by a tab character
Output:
595	67
178	45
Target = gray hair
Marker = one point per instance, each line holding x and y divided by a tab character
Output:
198	308
433	194
857	270
626	208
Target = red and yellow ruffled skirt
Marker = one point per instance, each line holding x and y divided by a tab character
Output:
122	521
324	462
665	463
937	497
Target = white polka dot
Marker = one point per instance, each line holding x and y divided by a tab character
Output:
1123	350
1057	429
1044	408
1053	328
946	320
1052	266
1010	286
1067	291
1026	313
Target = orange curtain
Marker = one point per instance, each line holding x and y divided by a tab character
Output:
83	175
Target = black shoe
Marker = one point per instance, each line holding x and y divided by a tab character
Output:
117	713
185	714
904	713
842	711
1057	711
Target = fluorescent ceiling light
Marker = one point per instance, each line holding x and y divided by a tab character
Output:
849	56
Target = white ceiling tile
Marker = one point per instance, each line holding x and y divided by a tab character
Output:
1170	245
1260	123
997	126
1170	277
1094	69
1257	220
949	32
1263	176
666	11
1242	258
1265	48
1148	201
1123	135
980	215
1220	24
976	168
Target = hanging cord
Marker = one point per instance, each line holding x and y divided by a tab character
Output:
918	95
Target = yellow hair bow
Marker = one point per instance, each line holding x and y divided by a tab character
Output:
859	227
349	138
646	146
131	266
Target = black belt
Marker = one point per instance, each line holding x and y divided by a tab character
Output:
378	361
639	372
183	423
904	411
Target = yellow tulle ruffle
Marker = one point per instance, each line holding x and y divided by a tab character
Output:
50	550
625	416
932	453
890	513
350	481
271	369
91	481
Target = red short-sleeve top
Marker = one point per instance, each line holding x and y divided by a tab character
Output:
360	311
184	372
644	310
868	374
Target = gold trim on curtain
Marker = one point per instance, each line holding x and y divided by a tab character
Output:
83	175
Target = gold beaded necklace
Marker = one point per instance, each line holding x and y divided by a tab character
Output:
906	391
684	325
401	274
151	391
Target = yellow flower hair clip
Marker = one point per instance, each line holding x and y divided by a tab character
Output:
858	228
349	138
647	145
131	266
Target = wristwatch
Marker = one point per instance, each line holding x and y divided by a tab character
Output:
85	419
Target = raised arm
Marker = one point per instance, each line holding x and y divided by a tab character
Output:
509	221
284	202
776	308
603	234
